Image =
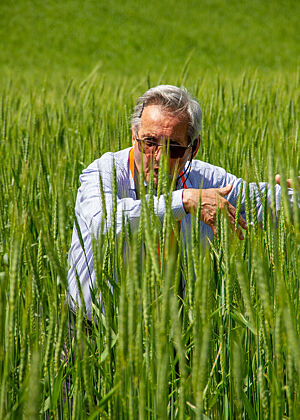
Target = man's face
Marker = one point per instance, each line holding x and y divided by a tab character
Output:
160	125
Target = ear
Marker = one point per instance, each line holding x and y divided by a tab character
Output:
133	136
196	146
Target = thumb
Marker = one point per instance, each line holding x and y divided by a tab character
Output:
225	190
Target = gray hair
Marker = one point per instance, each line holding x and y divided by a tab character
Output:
174	99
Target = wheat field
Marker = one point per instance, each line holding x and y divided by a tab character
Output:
230	347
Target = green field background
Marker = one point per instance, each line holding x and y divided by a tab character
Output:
54	40
70	73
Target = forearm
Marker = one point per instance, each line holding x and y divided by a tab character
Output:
128	210
257	194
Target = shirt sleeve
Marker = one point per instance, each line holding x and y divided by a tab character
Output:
256	193
209	176
89	204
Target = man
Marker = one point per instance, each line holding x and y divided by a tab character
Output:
165	116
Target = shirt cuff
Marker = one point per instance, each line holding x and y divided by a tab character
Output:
177	205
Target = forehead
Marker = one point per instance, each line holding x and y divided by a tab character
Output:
159	122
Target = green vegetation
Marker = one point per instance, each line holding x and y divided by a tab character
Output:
52	39
229	348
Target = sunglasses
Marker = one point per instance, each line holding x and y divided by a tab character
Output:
148	146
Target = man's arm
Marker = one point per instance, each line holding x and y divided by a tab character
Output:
89	204
216	184
211	200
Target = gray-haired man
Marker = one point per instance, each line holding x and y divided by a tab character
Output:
165	116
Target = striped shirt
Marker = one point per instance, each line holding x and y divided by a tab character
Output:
89	212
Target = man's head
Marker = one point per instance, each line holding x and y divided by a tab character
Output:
165	115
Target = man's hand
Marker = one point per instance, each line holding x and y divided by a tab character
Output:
288	181
211	199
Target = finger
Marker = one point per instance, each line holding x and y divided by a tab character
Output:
243	223
231	215
213	229
225	190
277	178
288	181
231	219
230	209
229	212
239	234
232	212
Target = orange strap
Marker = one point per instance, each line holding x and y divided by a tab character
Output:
131	162
131	165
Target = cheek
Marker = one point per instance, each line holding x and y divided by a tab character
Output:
141	160
147	162
137	157
176	165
